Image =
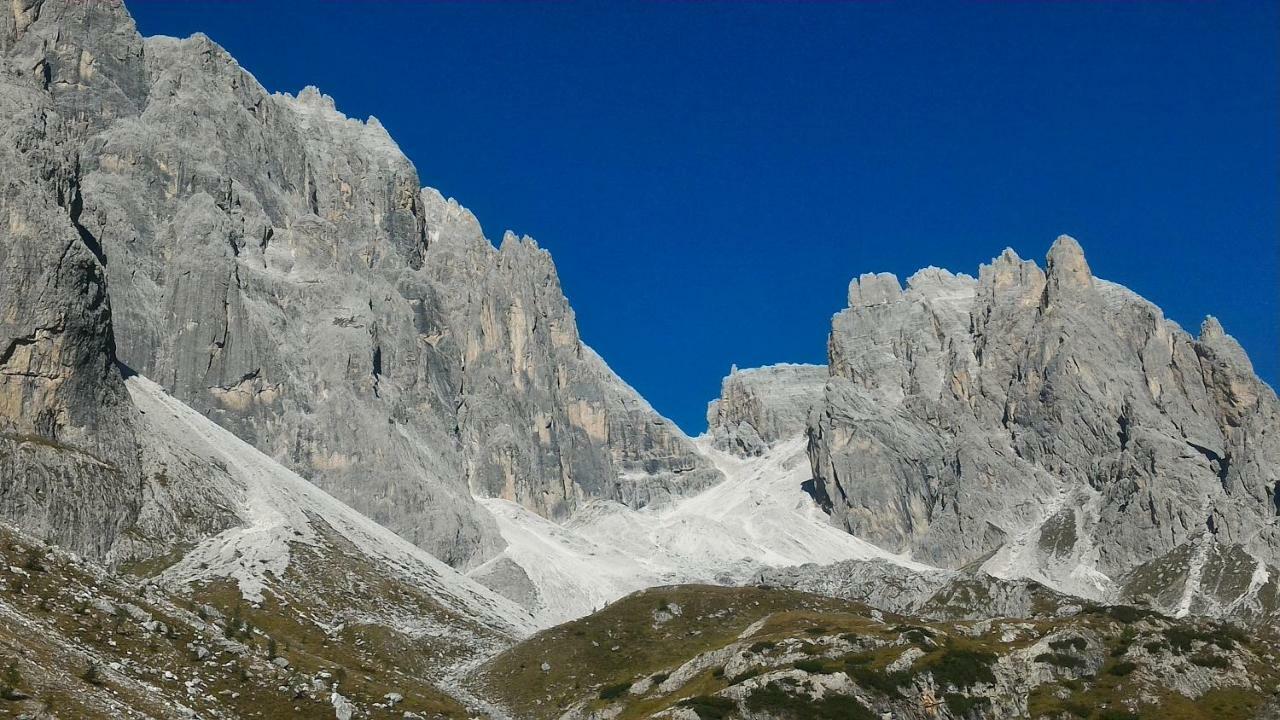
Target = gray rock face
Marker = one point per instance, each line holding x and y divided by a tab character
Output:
1048	423
935	594
278	267
68	456
761	406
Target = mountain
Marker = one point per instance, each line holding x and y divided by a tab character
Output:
277	266
1051	425
283	434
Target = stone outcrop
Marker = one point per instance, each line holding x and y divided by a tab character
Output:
761	406
1046	423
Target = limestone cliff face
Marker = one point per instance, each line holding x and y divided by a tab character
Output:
278	267
542	419
761	406
68	456
1049	423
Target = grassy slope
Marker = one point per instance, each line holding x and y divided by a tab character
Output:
59	616
1103	664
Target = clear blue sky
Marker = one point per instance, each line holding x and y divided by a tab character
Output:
710	176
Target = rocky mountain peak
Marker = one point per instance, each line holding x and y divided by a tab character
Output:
1043	410
1065	267
874	289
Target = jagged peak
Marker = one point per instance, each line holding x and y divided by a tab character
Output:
310	96
1223	345
874	289
1211	329
1008	256
935	282
1065	265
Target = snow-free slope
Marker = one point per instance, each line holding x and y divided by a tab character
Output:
282	516
759	517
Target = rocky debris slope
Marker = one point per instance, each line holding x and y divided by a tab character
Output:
759	517
278	267
697	652
282	523
761	406
929	593
1052	426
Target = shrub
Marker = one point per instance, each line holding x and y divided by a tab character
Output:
813	667
1122	613
1077	643
883	681
1211	661
10	681
1228	636
1062	660
964	705
774	700
34	561
960	667
615	691
1121	669
710	707
916	634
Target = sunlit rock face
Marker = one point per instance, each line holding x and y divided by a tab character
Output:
1046	423
278	266
760	406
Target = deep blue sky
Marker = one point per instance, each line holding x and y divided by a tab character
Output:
710	176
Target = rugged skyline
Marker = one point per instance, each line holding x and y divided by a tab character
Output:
731	194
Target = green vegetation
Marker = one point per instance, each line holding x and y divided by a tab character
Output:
1121	669
884	681
1209	660
965	705
614	691
814	667
1076	643
775	700
710	707
1062	660
10	681
958	666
